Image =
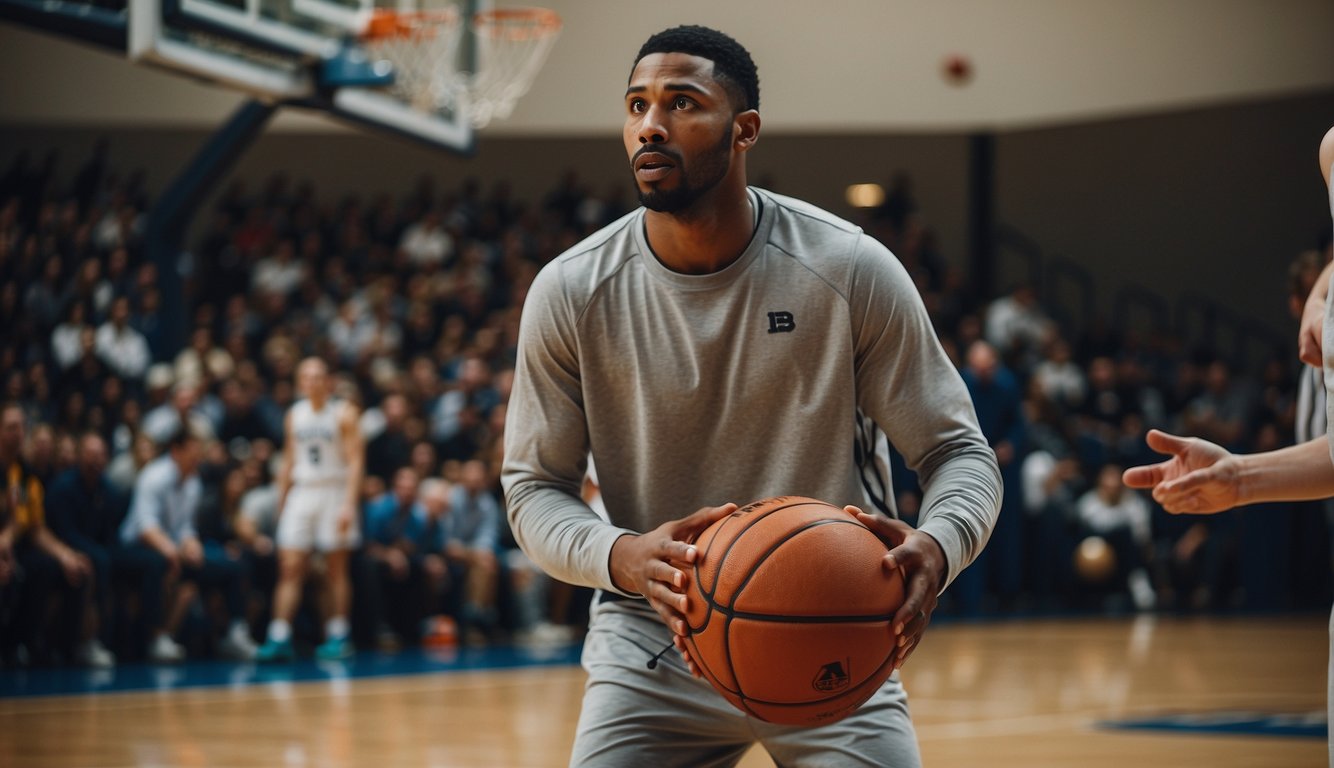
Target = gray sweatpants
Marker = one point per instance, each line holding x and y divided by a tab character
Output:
634	717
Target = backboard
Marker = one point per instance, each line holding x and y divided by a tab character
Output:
302	52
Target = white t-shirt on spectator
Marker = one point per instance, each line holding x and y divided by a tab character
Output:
124	351
1100	517
426	246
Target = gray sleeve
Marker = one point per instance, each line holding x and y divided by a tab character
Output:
546	445
907	384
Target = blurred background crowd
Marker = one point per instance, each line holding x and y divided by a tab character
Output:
414	300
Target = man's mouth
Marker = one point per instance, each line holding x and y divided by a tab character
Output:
653	166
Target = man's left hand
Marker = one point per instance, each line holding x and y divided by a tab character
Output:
923	564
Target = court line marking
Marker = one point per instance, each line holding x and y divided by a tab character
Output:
305	689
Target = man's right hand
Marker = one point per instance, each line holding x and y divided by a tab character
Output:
648	564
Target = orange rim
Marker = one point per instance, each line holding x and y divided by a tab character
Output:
386	24
517	23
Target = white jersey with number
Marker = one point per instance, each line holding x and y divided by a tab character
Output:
317	445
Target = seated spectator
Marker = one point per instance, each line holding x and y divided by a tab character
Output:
256	528
434	497
391	448
1017	326
181	410
162	551
279	273
224	533
456	414
389	573
85	510
426	244
1059	377
241	418
1121	517
1221	413
125	467
1051	485
44	569
123	349
67	338
472	539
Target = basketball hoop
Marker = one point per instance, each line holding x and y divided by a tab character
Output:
511	46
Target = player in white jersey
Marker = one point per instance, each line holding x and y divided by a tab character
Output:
1203	478
318	487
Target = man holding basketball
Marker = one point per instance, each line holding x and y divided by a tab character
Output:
720	345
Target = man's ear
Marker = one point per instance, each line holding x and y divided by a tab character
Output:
747	129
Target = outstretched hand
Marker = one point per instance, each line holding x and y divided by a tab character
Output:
923	565
650	563
1201	478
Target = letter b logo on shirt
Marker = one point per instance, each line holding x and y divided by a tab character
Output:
781	322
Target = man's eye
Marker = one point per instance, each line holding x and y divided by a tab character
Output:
681	103
637	105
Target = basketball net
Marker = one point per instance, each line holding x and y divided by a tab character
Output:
511	46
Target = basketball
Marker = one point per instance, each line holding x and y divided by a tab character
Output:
791	610
1095	560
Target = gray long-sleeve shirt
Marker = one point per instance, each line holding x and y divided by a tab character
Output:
757	380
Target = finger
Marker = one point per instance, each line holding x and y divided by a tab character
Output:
892	532
1163	442
684	649
1146	476
670	607
912	627
690	527
906	556
901	655
914	602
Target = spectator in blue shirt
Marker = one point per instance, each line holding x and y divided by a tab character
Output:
84	510
162	549
472	539
390	580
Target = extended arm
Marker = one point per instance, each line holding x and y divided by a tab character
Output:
1203	478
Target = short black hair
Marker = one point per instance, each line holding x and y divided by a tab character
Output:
732	65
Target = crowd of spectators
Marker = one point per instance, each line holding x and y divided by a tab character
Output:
414	299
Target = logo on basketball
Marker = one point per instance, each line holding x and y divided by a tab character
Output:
831	677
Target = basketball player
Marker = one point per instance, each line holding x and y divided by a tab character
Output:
318	487
719	345
1202	478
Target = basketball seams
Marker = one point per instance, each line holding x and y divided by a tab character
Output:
778	544
753	520
730	644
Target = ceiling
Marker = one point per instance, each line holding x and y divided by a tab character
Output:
836	66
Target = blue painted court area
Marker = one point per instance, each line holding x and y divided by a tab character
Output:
15	683
1310	725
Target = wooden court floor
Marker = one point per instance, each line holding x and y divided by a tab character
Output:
1021	693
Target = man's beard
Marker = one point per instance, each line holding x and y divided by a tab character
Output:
710	169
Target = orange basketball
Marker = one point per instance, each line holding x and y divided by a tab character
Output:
791	610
